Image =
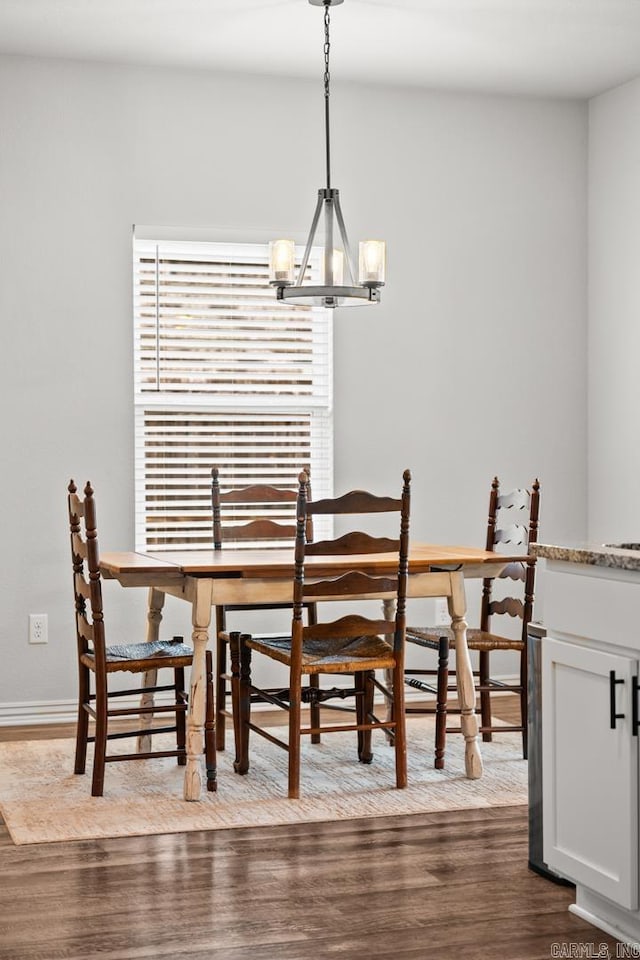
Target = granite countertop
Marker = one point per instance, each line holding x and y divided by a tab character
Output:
621	556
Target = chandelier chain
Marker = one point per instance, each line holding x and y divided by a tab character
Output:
327	77
327	49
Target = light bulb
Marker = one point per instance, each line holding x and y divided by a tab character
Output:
337	269
282	255
372	262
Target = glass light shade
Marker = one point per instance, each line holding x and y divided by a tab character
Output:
337	270
282	257
372	261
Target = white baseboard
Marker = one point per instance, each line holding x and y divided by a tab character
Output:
49	711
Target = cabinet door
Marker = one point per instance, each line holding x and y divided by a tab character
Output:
590	771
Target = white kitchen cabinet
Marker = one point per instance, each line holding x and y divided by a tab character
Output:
590	753
590	766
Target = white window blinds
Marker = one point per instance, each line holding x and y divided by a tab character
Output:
224	376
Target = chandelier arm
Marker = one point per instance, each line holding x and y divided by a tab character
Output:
345	238
310	239
328	241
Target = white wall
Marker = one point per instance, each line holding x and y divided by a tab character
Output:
614	314
482	201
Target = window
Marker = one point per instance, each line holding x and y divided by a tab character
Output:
226	376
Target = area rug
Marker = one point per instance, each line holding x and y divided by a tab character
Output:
42	800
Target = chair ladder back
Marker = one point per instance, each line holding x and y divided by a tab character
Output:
512	606
84	550
78	545
515	535
356	543
302	508
82	587
403	571
76	504
356	501
514	571
529	584
351	584
82	595
518	499
258	530
487	584
352	543
253	504
493	510
352	625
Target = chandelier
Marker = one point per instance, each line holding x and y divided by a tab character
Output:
338	285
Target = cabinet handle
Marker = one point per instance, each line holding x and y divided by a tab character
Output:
612	700
635	723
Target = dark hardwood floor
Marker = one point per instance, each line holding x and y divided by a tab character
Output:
449	886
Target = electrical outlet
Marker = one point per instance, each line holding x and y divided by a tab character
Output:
442	618
38	628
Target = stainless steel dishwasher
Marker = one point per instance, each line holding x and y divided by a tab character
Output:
535	635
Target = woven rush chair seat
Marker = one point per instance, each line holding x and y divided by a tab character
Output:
342	654
134	658
476	639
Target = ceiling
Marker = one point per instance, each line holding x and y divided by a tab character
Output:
558	48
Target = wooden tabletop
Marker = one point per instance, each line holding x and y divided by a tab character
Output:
423	557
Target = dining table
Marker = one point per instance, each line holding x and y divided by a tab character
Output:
206	578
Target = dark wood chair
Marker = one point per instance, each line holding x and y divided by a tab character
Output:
513	521
258	515
353	644
97	660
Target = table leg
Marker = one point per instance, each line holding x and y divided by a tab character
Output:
389	612
464	678
201	618
150	679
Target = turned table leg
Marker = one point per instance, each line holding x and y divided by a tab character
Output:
201	618
154	618
464	678
389	612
